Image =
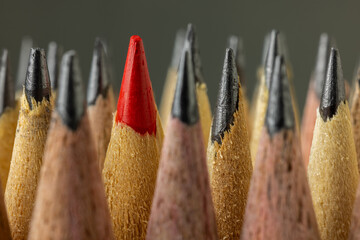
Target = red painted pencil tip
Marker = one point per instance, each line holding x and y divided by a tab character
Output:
136	104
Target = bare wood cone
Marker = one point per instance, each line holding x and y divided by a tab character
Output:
204	111
25	165
279	204
182	206
70	201
355	121
100	116
354	233
168	95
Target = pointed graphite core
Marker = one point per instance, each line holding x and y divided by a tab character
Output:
136	104
7	92
322	59
236	44
37	81
178	47
99	76
191	42
185	106
279	113
54	55
333	92
273	51
228	98
70	103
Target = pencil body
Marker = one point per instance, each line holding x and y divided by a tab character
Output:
354	232
25	165
333	174
168	95
179	211
355	120
70	202
5	233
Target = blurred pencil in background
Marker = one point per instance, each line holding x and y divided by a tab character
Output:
9	110
26	45
30	138
54	54
355	113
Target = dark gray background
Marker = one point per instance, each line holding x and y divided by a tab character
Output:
75	24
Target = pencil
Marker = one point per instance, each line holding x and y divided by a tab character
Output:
354	232
263	94
236	43
9	111
133	154
313	96
228	155
279	205
171	77
54	55
332	171
201	88
70	201
26	45
5	233
182	207
31	133
355	115
100	100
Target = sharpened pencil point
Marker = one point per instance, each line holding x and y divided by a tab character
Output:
136	104
178	47
272	52
70	103
37	83
185	105
279	113
236	44
191	42
54	55
333	92
228	98
7	92
99	77
321	63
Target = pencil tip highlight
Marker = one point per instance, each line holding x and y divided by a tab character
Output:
191	42
185	106
70	103
333	92
7	92
272	52
99	76
279	113
178	47
228	98
37	81
236	44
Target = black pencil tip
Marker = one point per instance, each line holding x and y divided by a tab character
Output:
70	100
184	105
26	45
279	113
178	47
228	98
54	55
99	75
322	59
273	51
191	42
333	92
236	44
37	81
7	92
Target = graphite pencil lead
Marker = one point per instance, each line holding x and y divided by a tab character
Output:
54	55
322	59
70	103
279	113
191	42
37	81
136	104
236	44
228	98
273	51
26	45
178	47
333	92
185	105
7	93
99	76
